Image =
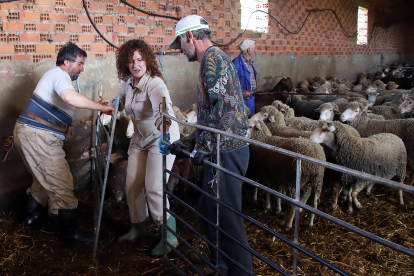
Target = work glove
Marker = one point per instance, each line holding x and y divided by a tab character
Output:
198	156
176	148
164	148
113	102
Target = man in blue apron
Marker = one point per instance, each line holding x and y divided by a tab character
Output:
38	135
246	72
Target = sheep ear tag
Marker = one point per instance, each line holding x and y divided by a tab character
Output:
272	119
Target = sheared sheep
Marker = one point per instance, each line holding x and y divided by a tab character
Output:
304	108
383	155
278	171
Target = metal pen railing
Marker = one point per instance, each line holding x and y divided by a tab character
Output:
100	170
296	202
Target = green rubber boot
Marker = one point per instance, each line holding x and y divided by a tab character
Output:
138	230
158	250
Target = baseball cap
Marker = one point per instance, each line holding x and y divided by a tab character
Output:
188	23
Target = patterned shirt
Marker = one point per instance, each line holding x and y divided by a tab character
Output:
249	65
219	104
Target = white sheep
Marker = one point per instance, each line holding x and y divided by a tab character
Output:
278	171
383	155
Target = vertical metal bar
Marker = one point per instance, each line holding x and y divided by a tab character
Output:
103	188
95	185
297	210
164	174
218	197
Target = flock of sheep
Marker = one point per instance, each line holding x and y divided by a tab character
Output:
362	126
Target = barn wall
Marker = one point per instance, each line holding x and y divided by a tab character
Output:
33	31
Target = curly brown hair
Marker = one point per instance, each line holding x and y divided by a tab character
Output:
126	52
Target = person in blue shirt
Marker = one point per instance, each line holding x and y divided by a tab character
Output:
247	73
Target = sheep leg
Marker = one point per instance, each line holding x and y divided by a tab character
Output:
267	202
359	185
400	196
350	208
255	194
279	205
315	205
336	192
368	192
304	198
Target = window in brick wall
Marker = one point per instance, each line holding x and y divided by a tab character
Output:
109	29
44	16
5	58
109	7
362	38
59	27
13	38
86	47
29	27
259	22
58	47
73	18
121	19
28	7
131	10
74	38
131	30
98	38
58	10
121	38
13	16
59	3
3	38
109	48
19	48
97	19
86	28
31	48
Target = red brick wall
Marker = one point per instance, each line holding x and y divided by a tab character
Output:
36	29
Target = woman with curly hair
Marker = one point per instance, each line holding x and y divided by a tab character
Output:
141	95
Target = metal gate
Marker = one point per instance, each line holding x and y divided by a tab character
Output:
294	244
101	158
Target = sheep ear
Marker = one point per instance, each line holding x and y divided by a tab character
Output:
257	125
318	109
336	109
272	118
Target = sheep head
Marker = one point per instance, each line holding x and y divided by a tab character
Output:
328	111
273	115
354	109
257	130
407	106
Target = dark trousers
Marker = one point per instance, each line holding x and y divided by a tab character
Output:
230	191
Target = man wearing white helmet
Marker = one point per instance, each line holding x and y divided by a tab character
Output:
219	105
247	73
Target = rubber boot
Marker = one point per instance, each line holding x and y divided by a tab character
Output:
158	250
68	227
138	230
35	213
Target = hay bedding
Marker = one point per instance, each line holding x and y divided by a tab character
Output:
39	252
